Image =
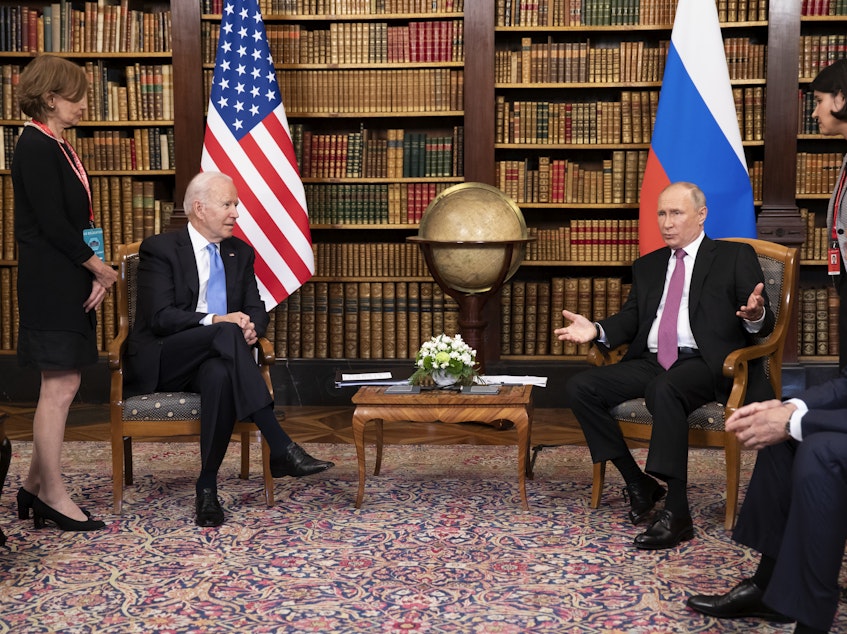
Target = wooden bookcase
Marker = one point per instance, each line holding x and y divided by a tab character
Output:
351	249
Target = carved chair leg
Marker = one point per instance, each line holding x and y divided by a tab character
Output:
733	477
599	479
128	460
267	478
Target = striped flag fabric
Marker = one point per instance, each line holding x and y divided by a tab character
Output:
696	136
247	138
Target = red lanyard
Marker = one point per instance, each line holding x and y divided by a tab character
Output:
73	160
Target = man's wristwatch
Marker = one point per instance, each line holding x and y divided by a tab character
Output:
788	427
599	332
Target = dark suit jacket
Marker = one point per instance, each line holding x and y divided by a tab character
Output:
724	275
826	403
168	289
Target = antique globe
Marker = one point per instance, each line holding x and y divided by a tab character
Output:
471	214
473	239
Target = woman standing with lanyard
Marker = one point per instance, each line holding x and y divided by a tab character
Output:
61	279
830	90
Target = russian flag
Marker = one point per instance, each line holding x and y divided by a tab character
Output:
696	136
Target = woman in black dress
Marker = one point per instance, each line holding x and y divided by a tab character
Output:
61	281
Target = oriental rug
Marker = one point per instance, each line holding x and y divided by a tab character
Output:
439	545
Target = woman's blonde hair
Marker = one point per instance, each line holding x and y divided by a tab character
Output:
46	75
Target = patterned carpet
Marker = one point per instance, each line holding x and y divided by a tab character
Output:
439	545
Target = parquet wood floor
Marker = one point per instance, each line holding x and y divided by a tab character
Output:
325	425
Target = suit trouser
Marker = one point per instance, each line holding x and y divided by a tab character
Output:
670	395
795	511
216	362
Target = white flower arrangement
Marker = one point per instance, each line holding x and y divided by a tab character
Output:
445	355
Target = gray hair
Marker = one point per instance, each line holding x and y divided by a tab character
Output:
199	189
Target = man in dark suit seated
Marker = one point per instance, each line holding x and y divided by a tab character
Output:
691	304
795	510
198	315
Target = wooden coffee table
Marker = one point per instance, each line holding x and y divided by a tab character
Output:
512	403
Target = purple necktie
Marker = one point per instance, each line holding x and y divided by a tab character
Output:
668	340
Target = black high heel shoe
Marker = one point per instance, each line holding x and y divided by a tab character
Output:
25	500
41	512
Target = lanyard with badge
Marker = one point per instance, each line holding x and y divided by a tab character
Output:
833	259
93	236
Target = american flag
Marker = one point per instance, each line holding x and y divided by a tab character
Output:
247	138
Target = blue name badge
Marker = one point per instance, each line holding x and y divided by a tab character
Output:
94	238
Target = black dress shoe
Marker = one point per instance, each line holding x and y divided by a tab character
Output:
642	497
666	531
743	601
295	462
209	511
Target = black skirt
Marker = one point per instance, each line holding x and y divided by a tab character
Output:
56	349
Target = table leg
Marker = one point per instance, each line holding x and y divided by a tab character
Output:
359	439
523	427
378	466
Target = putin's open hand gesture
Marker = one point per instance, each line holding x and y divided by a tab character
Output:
578	330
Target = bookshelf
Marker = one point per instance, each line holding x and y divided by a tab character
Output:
576	94
126	139
822	40
375	102
363	204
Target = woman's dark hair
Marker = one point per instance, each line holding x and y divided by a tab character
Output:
48	74
833	80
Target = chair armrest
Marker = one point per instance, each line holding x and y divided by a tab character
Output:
599	354
265	349
736	366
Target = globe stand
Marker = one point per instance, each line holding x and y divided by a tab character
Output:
471	324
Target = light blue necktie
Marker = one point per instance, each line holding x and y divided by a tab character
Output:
216	290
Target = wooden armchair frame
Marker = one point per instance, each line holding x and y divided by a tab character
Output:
162	414
706	424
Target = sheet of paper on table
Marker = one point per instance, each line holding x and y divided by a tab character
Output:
508	379
396	377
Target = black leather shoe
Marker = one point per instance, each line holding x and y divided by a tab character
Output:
209	511
743	601
666	531
642	497
295	462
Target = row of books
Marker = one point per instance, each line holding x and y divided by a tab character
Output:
356	42
817	327
127	208
629	120
614	12
817	173
613	181
393	153
390	319
97	27
531	311
345	7
360	320
817	238
137	92
823	7
579	62
370	203
369	259
593	241
819	51
390	90
124	150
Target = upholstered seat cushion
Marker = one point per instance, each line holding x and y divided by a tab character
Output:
162	405
708	417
